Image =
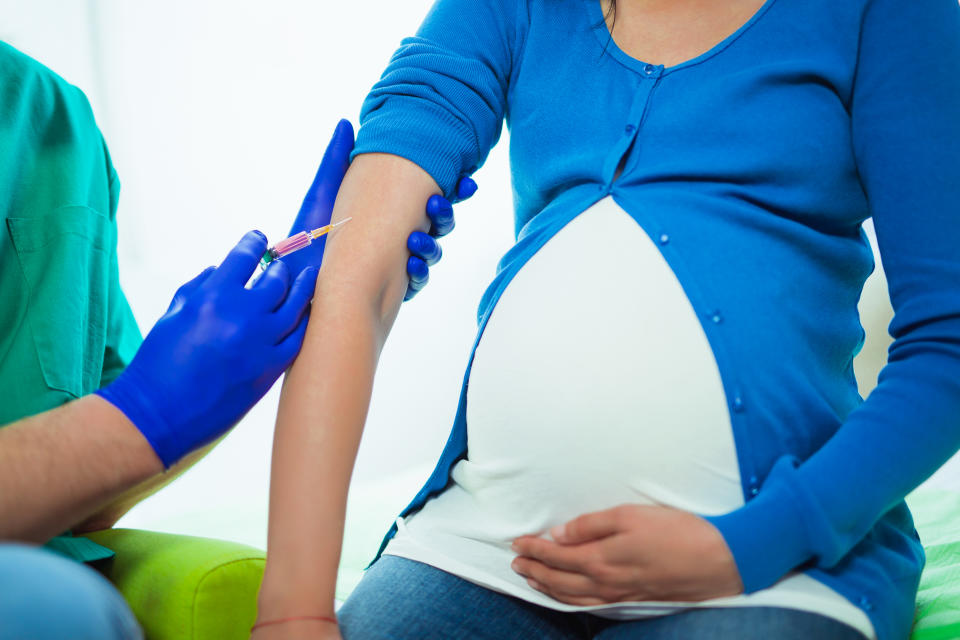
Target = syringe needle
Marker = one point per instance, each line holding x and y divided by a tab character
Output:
316	233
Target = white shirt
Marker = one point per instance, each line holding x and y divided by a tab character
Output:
592	386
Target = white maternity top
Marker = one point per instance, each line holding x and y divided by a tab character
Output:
592	386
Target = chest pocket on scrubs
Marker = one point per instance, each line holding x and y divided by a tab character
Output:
65	258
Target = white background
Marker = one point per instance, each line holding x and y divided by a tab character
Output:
217	114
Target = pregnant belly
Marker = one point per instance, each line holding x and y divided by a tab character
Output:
594	385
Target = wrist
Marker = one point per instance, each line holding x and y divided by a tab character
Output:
125	395
268	622
275	603
138	452
767	537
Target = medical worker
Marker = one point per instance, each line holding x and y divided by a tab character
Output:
95	420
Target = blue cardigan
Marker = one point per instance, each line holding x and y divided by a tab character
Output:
752	167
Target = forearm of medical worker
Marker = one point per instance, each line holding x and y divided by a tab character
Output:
326	393
109	514
61	465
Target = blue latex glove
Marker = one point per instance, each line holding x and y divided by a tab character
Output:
317	208
215	352
426	251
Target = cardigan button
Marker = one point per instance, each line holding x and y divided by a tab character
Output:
664	238
716	317
648	69
866	604
629	129
738	404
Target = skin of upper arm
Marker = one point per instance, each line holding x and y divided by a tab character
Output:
365	260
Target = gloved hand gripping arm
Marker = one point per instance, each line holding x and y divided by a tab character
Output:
317	208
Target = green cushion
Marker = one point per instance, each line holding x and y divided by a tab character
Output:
183	587
936	513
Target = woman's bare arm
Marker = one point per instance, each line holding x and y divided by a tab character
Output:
326	393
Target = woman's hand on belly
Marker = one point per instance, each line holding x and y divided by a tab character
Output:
630	553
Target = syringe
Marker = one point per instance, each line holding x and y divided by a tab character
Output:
296	242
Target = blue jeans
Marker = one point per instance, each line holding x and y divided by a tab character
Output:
400	598
44	596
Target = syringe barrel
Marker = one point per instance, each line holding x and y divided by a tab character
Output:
291	244
285	247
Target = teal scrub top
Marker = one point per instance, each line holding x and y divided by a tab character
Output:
65	326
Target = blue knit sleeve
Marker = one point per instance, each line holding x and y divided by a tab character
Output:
442	99
906	133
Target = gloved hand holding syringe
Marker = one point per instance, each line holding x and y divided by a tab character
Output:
296	242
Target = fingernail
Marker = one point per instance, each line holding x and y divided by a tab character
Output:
533	583
260	233
558	532
515	546
515	566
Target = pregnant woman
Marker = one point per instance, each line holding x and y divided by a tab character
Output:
659	432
